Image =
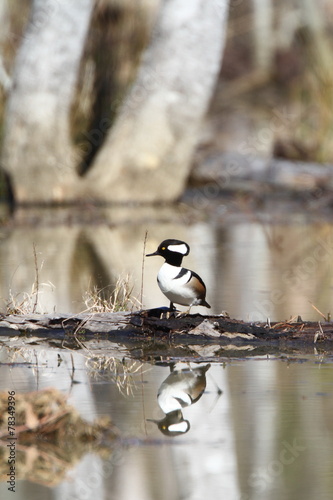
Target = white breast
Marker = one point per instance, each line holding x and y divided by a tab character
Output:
174	397
176	290
166	277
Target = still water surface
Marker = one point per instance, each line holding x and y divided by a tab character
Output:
262	429
254	267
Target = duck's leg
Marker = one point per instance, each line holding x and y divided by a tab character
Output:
184	313
171	311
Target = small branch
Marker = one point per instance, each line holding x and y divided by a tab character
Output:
143	266
318	333
36	283
319	312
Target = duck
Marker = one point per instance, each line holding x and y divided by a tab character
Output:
179	284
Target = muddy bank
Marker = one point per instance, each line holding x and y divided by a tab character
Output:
151	333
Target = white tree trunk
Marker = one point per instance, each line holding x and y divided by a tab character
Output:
264	40
147	154
314	18
4	20
37	152
5	80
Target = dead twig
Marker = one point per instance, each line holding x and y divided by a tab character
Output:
36	283
143	266
318	333
76	330
320	313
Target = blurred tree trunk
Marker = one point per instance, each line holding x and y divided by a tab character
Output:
5	80
313	17
119	32
147	154
264	49
37	154
4	19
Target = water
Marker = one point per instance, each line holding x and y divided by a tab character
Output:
262	429
254	270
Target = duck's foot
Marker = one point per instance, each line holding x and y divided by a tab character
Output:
170	312
182	314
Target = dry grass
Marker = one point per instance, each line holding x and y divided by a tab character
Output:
50	436
95	300
122	373
27	302
121	299
21	303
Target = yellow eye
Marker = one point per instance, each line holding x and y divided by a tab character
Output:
163	248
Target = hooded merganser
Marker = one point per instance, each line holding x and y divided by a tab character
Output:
183	387
179	285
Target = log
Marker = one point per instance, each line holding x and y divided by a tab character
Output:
145	328
234	171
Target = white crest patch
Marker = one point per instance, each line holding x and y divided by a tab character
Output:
179	427
183	249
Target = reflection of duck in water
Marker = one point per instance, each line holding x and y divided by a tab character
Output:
173	424
181	388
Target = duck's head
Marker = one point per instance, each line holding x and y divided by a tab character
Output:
172	250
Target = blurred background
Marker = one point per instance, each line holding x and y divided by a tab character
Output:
263	245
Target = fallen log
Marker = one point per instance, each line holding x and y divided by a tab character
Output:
143	326
234	171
